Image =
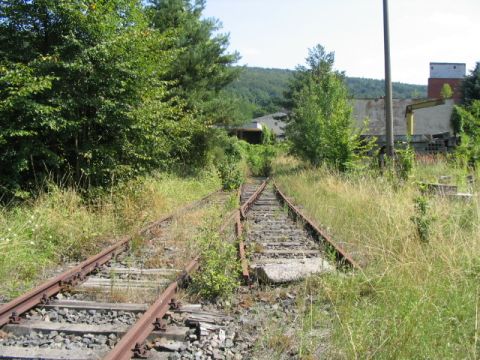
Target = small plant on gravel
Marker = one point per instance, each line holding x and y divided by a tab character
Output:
218	275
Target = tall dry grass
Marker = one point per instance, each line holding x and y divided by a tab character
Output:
61	226
414	299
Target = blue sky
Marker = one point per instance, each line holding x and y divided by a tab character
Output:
277	33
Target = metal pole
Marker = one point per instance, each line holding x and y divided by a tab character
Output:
388	82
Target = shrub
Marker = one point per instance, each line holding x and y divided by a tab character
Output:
218	275
259	158
405	161
422	219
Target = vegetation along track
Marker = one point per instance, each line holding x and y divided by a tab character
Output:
107	306
282	244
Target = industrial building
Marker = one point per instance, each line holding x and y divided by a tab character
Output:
252	131
431	131
446	73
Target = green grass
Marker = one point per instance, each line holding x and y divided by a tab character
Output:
60	226
414	299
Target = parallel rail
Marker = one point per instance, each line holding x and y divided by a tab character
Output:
343	259
133	342
341	255
10	312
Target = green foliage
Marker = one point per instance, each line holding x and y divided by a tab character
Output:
466	120
260	91
226	156
231	174
259	157
90	93
202	64
446	92
268	136
363	88
405	161
218	275
320	126
422	218
471	86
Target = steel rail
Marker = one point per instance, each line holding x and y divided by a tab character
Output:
132	343
10	312
241	214
341	255
251	200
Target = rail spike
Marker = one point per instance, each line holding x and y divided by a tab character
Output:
14	318
141	351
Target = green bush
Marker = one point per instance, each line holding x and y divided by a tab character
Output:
218	275
225	154
231	174
259	158
466	121
422	219
405	162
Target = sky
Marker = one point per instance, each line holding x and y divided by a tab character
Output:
278	33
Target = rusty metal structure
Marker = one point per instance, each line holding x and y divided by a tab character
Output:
10	312
342	258
133	342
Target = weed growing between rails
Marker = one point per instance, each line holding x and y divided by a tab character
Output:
220	268
60	226
414	299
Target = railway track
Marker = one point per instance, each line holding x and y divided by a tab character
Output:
281	244
122	303
115	305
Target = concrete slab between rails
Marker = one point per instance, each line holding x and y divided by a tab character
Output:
291	270
16	352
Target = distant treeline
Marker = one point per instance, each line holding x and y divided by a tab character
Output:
261	91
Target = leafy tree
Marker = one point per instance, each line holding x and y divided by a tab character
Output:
320	125
471	86
202	66
83	92
446	92
468	126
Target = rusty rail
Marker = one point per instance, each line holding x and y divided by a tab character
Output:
241	215
341	255
251	200
40	295
11	311
133	342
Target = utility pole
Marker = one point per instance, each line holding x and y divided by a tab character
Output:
388	82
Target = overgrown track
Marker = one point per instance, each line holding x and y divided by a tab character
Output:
282	244
88	318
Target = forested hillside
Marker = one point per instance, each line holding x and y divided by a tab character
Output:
372	88
260	91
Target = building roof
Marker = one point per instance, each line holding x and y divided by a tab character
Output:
275	122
